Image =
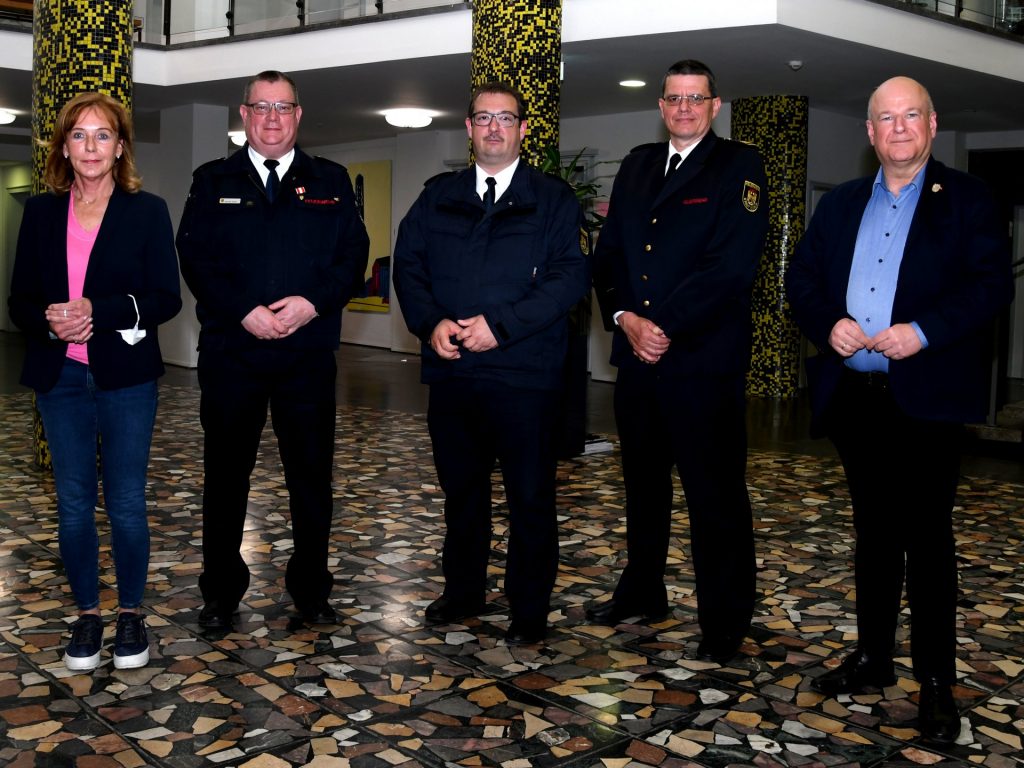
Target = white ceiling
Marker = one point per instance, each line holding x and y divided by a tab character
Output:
342	103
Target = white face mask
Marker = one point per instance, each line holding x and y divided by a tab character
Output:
133	335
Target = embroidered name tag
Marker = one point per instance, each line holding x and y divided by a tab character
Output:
230	201
319	200
694	200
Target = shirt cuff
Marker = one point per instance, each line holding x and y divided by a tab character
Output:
920	334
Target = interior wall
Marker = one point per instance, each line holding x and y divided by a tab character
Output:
15	183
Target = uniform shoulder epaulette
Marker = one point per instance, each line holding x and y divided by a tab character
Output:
558	176
438	176
208	165
327	161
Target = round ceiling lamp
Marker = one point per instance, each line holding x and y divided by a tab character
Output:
6	117
409	118
237	137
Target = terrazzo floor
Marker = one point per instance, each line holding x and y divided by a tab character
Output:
381	689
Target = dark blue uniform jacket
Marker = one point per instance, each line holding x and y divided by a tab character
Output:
238	251
684	253
523	266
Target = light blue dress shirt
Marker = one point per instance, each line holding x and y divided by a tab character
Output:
876	265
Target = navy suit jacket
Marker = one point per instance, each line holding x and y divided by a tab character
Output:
684	253
955	277
133	254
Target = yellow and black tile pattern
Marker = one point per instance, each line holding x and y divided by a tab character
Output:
520	42
777	125
77	45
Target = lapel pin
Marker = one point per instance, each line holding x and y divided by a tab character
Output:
936	187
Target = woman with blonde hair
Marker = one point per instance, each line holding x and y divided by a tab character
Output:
94	275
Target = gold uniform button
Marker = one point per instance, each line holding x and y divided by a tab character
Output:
647	303
647	248
643	277
654	220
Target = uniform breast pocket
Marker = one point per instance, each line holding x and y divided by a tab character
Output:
450	242
513	254
318	227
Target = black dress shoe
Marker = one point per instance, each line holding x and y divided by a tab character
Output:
522	632
614	612
855	673
720	649
215	616
937	717
318	613
446	610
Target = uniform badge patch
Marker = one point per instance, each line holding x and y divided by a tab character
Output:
584	242
751	196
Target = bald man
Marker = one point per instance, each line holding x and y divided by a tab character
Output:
897	282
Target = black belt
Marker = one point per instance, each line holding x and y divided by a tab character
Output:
868	379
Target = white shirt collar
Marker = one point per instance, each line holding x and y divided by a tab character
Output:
501	179
285	162
685	153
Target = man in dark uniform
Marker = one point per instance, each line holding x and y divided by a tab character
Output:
488	262
674	268
896	283
272	248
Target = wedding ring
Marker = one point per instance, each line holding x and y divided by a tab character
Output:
65	313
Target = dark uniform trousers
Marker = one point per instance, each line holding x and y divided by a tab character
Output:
698	424
903	474
472	423
237	386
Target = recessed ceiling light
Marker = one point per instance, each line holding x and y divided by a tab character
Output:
6	116
237	137
408	118
632	83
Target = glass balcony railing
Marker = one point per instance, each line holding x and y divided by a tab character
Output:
1001	15
171	22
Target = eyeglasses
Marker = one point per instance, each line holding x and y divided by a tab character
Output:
693	99
505	119
265	107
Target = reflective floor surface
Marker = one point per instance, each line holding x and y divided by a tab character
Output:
381	689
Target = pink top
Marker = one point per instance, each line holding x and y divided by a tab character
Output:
80	242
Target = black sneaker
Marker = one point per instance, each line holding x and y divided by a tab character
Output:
131	645
83	652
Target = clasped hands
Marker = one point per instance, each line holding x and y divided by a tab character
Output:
895	342
71	321
280	319
649	342
451	336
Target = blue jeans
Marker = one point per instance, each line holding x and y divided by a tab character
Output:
75	412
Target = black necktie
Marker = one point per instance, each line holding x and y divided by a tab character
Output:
673	163
273	183
489	194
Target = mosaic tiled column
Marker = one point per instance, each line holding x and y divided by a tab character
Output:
520	42
77	45
777	125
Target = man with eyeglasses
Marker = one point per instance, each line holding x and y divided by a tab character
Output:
674	269
488	263
272	247
897	282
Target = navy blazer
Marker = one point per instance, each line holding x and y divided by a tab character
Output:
955	277
133	254
684	253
